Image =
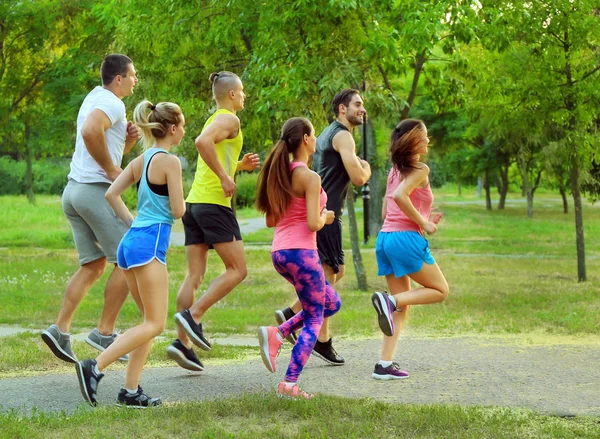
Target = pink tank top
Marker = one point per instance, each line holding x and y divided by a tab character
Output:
292	232
395	219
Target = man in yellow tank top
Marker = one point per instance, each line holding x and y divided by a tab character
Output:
209	221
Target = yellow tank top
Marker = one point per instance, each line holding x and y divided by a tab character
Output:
207	186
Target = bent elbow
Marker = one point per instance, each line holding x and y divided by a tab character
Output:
314	227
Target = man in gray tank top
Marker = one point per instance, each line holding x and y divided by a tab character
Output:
335	160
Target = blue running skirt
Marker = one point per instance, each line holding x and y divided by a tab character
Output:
401	253
141	245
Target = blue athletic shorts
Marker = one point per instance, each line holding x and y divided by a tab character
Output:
141	245
401	253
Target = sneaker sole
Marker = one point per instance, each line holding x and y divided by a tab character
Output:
82	386
56	349
387	377
176	355
383	316
188	330
101	348
137	407
281	320
316	354
263	342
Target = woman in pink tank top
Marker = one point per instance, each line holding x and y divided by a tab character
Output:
291	196
402	251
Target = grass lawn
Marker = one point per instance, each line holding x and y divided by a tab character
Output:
266	416
508	274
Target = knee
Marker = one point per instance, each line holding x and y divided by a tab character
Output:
155	328
444	290
195	279
241	272
95	269
340	274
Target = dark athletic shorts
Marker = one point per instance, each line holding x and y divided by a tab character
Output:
209	224
329	244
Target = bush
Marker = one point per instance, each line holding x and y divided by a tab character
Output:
49	176
245	193
11	176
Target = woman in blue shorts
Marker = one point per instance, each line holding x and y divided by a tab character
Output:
142	251
402	251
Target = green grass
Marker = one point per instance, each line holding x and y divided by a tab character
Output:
508	274
266	416
26	354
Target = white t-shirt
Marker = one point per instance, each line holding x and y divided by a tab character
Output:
84	169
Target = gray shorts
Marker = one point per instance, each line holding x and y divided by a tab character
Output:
97	231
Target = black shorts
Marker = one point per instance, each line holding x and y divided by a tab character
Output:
329	244
209	224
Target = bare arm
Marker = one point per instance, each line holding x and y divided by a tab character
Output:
358	169
224	126
311	182
133	135
175	185
94	136
401	196
130	175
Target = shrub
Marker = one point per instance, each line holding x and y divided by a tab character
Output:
245	193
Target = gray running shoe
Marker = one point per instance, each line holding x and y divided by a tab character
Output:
59	343
101	342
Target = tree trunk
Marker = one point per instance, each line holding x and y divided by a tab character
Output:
563	194
526	190
479	186
503	187
581	275
375	183
486	186
28	181
459	187
361	277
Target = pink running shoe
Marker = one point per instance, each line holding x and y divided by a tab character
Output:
269	346
294	392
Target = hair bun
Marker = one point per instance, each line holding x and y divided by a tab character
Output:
213	77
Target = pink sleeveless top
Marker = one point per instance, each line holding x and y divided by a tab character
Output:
395	219
292	232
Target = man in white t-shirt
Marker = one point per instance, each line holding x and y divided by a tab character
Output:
103	136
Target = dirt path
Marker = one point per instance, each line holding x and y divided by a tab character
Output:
562	379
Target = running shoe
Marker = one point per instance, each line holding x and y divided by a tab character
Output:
186	322
101	342
392	372
269	345
385	309
88	380
59	343
326	352
138	400
282	316
183	356
294	392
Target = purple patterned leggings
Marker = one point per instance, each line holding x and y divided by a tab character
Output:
303	269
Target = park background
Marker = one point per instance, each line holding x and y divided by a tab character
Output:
510	92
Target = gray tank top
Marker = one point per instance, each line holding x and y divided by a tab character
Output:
328	163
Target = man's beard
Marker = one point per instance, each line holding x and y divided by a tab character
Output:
355	120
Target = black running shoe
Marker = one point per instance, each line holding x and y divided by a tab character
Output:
183	356
282	316
138	400
192	329
326	353
88	380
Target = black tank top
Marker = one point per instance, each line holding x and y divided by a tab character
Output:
328	163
